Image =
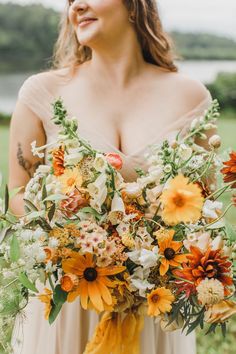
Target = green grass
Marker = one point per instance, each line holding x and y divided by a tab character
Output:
211	344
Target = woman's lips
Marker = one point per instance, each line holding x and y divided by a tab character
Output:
86	22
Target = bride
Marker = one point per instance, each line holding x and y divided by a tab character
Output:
114	70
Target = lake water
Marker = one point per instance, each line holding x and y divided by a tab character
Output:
205	71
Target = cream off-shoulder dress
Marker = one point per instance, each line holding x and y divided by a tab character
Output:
74	326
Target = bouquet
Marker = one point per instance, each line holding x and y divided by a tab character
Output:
158	246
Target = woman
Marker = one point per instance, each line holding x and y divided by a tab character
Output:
115	73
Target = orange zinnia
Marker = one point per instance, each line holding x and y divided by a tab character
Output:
209	264
169	249
182	201
93	281
230	170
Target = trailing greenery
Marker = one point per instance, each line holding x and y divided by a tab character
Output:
28	33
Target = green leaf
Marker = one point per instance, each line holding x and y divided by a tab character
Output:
44	191
55	197
14	249
6	199
36	214
51	211
59	298
230	231
30	205
27	283
92	211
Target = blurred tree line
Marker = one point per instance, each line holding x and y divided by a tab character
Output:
27	35
204	46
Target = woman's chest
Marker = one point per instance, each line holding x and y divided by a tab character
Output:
128	120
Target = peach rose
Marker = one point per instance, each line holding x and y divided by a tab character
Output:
69	281
115	160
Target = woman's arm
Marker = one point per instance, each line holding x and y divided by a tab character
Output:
25	127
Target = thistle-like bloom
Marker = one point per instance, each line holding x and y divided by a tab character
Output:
182	201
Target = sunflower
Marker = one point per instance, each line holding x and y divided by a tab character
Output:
230	170
58	161
93	281
159	301
70	179
182	201
169	250
211	264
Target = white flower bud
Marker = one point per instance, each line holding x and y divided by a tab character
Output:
168	168
215	141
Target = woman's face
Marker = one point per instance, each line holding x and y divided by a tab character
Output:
111	20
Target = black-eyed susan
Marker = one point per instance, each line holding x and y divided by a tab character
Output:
94	282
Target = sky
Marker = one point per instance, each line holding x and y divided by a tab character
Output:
214	16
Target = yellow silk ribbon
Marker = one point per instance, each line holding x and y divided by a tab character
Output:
116	334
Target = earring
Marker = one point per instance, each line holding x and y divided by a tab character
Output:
131	17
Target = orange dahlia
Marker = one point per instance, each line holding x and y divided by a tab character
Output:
93	281
169	250
159	301
230	170
209	264
182	201
58	161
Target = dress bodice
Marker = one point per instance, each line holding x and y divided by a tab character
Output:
39	99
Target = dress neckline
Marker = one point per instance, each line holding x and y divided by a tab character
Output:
142	149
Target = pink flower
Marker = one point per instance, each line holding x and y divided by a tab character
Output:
74	202
114	159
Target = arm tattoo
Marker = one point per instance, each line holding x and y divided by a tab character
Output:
26	164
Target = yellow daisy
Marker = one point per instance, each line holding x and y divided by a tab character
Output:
70	179
182	201
159	301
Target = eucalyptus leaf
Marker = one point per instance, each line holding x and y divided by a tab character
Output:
27	283
6	199
55	197
30	205
14	249
92	211
59	298
51	211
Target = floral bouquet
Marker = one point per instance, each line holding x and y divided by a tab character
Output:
158	246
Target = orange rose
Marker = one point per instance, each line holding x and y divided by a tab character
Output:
114	159
69	281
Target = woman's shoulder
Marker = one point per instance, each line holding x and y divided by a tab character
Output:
187	93
46	81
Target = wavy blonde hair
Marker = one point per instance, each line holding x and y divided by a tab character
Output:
157	46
